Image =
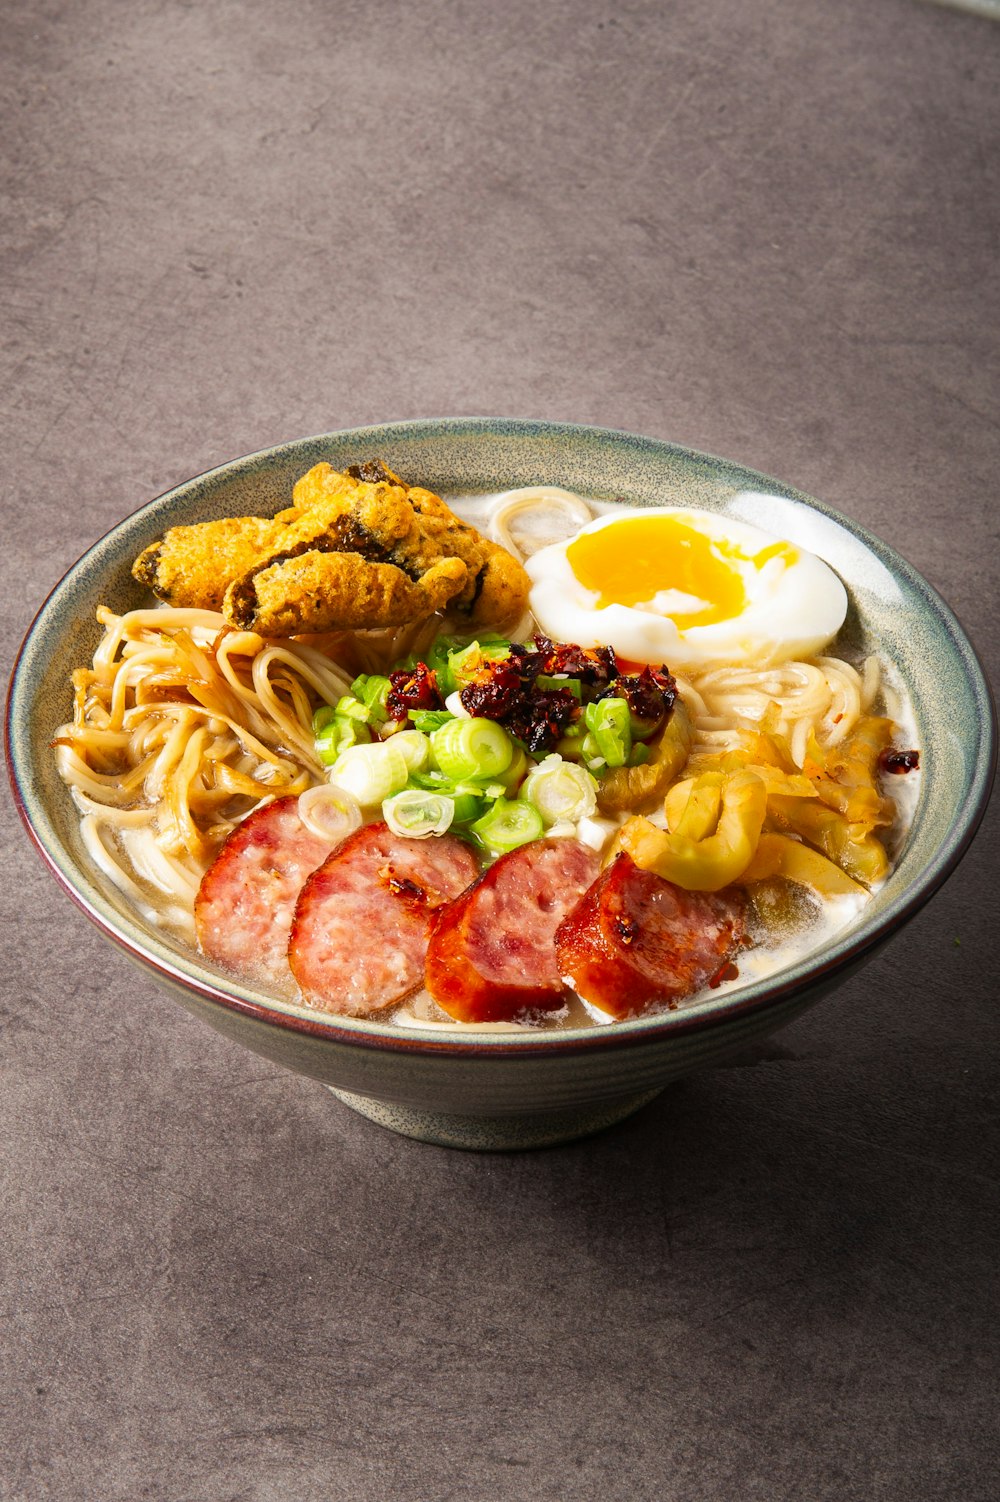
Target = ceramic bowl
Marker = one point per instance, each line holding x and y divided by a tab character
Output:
519	1089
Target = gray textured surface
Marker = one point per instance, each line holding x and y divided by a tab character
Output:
767	230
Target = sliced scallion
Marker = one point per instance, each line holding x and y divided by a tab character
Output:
431	780
415	747
472	748
468	807
464	663
553	682
429	719
337	735
372	773
416	814
455	707
609	722
329	812
560	790
373	691
514	774
437	659
323	717
352	708
508	824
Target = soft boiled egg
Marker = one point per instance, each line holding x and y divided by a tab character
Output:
688	588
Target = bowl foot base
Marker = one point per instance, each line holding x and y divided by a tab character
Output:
495	1133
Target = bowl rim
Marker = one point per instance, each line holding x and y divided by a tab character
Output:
755	997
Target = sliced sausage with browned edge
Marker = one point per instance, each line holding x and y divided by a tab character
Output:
243	910
635	941
359	935
492	954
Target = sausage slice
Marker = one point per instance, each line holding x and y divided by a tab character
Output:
492	954
359	934
243	910
635	941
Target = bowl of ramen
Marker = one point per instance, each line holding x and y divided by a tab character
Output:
495	773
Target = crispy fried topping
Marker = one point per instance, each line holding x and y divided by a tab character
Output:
355	550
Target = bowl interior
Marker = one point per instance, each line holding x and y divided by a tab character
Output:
893	611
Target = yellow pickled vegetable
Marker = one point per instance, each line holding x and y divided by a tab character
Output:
845	777
709	863
792	784
692	807
855	761
852	846
780	855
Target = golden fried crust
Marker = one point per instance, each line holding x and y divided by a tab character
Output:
320	484
381	514
319	591
498	588
414	529
405	546
503	591
191	566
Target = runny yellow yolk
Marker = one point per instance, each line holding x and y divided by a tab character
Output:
630	561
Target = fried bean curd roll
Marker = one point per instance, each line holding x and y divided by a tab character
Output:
402	553
325	591
414	529
498	585
191	567
318	485
373	518
322	484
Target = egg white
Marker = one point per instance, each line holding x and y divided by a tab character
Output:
793	608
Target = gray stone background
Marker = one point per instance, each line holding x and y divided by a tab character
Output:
764	228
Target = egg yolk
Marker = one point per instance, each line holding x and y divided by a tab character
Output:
633	560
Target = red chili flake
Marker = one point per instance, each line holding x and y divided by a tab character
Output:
494	691
412	688
402	886
626	928
727	972
540	719
898	762
594	669
650	695
507	690
528	663
609	662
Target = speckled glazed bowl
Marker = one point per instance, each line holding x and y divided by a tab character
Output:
518	1089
